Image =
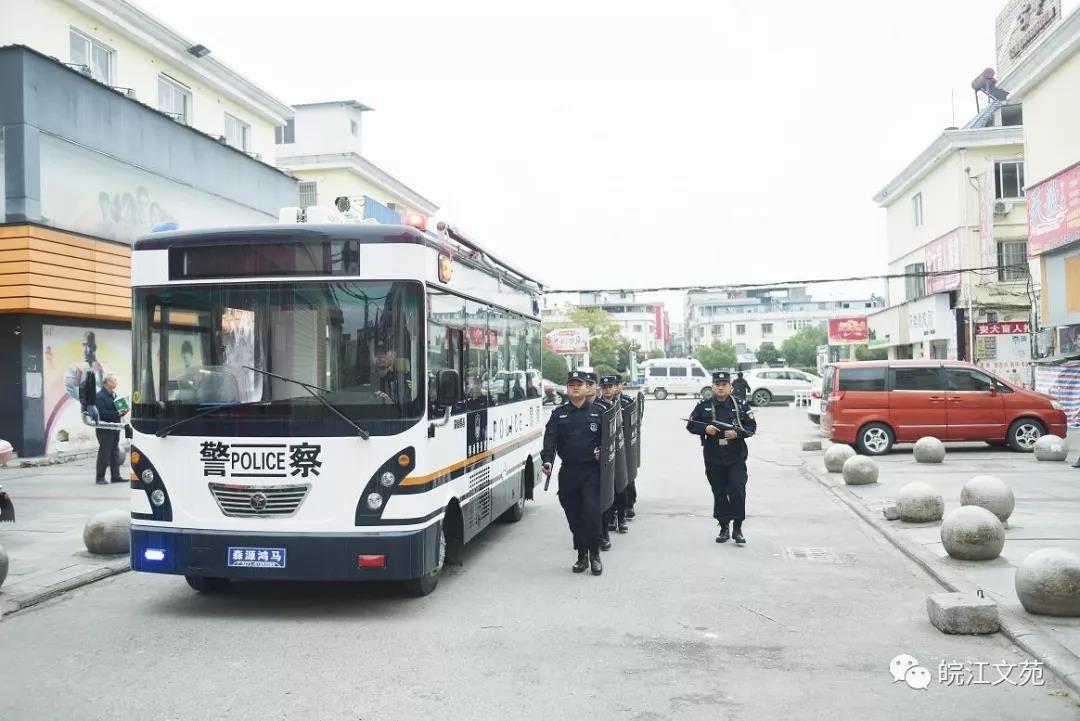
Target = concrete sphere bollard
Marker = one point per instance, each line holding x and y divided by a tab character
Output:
929	450
836	455
108	532
1051	448
991	493
860	471
920	502
1048	582
3	565
972	533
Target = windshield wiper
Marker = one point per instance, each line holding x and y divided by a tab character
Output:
213	409
311	389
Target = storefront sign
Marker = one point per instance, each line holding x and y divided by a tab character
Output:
930	318
1019	25
1007	328
567	340
1054	212
848	331
943	255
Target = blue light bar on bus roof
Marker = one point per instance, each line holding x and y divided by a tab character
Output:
164	226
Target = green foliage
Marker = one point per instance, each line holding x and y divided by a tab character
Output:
721	354
655	354
604	338
602	370
553	366
801	348
767	353
865	353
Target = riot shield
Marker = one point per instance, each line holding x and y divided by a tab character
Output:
608	447
640	416
630	437
621	475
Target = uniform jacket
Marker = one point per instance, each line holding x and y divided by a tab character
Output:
573	433
106	410
733	411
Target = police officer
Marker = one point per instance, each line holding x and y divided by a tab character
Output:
573	431
739	387
615	516
724	423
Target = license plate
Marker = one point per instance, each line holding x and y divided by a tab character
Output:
255	557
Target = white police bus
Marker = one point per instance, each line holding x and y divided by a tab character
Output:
327	399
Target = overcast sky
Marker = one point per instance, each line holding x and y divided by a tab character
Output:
625	144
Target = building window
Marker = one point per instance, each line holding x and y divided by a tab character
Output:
914	281
354	128
237	133
991	317
174	99
637	327
309	193
1012	260
766	329
799	324
285	134
740	329
98	60
1009	179
718	331
916	204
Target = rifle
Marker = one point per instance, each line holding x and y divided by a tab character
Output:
721	425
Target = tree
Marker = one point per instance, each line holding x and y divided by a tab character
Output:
604	338
865	353
654	354
801	348
553	366
721	354
767	353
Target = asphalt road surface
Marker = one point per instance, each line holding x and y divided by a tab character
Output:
678	627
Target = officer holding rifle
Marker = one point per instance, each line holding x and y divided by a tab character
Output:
723	423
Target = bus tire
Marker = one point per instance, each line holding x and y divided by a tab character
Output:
206	584
516	512
659	394
423	585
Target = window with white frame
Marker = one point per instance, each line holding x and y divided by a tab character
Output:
916	205
740	329
174	99
354	128
309	193
799	324
637	327
1012	260
285	134
1009	179
718	331
766	329
98	58
914	281
237	133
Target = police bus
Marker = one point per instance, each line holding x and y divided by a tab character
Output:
327	399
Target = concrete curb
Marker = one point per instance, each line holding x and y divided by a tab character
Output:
53	460
1062	662
19	603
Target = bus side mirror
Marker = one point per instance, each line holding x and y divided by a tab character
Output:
88	390
448	388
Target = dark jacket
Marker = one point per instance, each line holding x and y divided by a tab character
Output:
107	412
732	411
574	433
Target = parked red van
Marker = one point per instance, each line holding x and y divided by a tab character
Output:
875	404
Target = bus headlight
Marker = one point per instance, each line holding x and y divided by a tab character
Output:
158	497
387	479
374	501
148	476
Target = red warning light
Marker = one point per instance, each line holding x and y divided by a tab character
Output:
416	221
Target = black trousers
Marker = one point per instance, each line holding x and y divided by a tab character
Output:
728	485
108	454
579	496
631	494
618	509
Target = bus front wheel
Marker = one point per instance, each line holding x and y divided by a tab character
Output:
205	584
427	583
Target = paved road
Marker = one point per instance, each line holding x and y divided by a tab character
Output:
678	627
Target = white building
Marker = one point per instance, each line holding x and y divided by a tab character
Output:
119	45
746	318
321	146
643	323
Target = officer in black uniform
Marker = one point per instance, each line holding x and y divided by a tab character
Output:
573	431
723	423
739	387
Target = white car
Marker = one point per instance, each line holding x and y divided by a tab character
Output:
771	384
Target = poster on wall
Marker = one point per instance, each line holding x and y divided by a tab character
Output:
1004	349
1054	212
848	331
1062	383
943	255
930	318
70	353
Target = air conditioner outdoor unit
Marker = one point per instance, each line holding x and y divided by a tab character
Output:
1001	207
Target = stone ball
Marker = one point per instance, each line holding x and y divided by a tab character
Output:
991	493
108	532
860	471
972	533
920	502
929	450
1051	448
3	565
1048	582
836	455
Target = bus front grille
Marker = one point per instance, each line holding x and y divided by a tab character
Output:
259	501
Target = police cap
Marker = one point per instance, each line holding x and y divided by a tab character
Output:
721	377
576	376
592	378
609	380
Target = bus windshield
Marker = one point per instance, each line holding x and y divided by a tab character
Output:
357	342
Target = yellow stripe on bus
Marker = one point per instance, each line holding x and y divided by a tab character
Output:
421	480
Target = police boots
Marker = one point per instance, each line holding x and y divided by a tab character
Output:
605	542
725	535
740	539
623	528
594	562
582	562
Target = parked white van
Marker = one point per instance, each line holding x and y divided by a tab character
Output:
676	377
